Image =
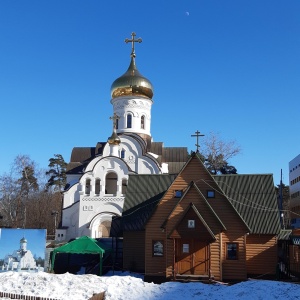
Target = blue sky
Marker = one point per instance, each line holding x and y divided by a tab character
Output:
230	67
10	241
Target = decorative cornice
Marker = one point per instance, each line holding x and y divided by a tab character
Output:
104	199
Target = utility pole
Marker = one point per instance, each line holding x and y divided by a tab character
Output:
281	202
55	214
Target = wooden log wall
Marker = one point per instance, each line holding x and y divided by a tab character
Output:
262	254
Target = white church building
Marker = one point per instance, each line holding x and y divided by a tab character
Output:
20	259
97	177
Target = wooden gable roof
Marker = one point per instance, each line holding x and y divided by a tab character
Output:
192	213
194	174
208	217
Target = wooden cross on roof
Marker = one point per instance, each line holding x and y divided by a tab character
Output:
133	40
197	135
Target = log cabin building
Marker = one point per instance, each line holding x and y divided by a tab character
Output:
198	225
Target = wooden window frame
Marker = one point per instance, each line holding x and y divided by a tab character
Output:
157	252
229	257
191	224
177	192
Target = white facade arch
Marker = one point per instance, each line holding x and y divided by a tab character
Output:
100	225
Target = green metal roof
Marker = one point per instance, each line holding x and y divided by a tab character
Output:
254	198
284	234
142	195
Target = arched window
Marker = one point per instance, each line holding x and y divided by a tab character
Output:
117	123
143	122
87	186
122	153
111	183
97	187
124	186
129	121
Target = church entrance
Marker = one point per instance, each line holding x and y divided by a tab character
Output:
104	229
100	226
192	257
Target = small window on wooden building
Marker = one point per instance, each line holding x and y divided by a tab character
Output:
158	248
178	193
191	223
185	248
211	194
231	251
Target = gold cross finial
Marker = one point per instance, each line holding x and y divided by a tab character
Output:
133	40
197	135
115	119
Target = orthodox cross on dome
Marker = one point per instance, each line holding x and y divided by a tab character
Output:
197	135
133	40
115	119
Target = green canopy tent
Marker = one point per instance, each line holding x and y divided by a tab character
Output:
82	245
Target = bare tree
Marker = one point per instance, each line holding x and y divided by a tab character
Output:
8	200
40	208
217	153
25	200
15	191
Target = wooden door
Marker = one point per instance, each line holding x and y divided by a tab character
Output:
192	257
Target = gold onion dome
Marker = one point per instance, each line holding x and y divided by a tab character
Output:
114	139
132	82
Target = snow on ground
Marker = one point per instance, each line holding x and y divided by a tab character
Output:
128	286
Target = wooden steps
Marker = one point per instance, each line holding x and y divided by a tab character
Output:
193	278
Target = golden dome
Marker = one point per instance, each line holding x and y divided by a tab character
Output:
114	139
132	83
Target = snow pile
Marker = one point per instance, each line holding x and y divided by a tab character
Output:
128	286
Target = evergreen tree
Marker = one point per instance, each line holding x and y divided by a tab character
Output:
57	173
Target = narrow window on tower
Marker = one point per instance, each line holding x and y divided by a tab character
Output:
143	122
117	123
129	121
97	186
122	153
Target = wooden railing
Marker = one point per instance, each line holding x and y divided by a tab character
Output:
100	296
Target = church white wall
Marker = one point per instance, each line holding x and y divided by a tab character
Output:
134	156
70	219
71	195
95	210
137	107
99	193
